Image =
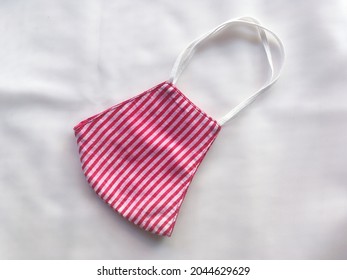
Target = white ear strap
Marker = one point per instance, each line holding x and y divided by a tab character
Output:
184	57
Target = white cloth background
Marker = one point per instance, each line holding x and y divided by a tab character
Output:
273	185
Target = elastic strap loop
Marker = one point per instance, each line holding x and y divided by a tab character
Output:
184	57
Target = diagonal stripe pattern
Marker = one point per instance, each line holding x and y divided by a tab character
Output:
141	155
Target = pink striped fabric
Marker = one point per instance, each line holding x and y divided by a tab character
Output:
141	155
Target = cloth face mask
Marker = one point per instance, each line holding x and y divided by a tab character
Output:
141	155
